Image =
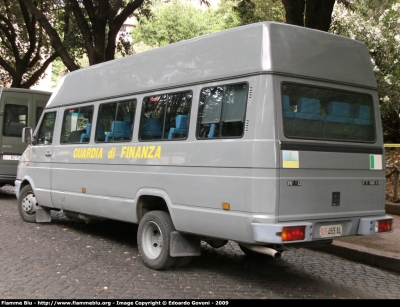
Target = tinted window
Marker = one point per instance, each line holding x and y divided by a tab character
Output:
327	114
222	111
77	124
166	117
15	118
115	121
46	129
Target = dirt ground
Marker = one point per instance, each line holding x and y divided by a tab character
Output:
392	159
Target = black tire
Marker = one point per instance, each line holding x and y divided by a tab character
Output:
181	261
27	204
153	239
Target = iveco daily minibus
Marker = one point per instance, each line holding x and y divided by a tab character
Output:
268	135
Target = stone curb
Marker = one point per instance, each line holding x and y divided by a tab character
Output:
360	254
363	255
392	208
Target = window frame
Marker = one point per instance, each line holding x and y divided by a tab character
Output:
164	116
115	116
19	114
43	118
221	115
64	114
332	90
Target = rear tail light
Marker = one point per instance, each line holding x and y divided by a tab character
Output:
383	226
294	233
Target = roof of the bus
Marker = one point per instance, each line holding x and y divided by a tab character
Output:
265	47
23	90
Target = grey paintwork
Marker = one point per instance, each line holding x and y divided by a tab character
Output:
12	145
194	177
257	48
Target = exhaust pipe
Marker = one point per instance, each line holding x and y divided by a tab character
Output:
264	250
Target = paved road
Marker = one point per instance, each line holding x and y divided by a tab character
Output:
69	259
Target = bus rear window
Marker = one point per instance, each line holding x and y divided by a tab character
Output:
327	114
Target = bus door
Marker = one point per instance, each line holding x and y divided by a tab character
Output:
332	159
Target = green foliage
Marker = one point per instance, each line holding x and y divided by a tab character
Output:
251	11
376	23
178	20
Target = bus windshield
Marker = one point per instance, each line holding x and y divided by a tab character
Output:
311	112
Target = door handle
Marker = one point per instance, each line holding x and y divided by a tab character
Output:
48	154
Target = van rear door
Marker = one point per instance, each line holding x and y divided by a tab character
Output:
332	158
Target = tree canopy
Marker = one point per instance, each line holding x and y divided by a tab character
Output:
98	21
178	20
25	52
377	24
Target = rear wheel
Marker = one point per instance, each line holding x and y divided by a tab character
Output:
154	240
27	204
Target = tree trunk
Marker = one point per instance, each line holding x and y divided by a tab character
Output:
53	35
295	11
319	14
315	14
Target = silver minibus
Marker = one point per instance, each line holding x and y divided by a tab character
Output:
268	135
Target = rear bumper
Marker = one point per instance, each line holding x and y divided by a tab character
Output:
271	233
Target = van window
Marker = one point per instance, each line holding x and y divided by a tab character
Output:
328	114
115	121
166	116
46	129
222	111
15	118
77	124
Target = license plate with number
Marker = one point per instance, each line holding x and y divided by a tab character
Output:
330	231
11	157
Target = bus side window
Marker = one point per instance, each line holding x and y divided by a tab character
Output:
115	121
222	111
46	129
166	117
77	125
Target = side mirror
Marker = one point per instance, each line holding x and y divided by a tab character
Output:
27	137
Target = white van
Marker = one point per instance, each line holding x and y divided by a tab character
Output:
268	135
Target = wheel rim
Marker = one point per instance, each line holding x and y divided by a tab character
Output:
152	240
29	204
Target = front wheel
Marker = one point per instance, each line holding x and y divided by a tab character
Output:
27	204
154	240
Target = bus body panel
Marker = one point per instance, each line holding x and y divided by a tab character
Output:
330	194
265	47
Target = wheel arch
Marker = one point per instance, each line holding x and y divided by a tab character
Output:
24	182
150	199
